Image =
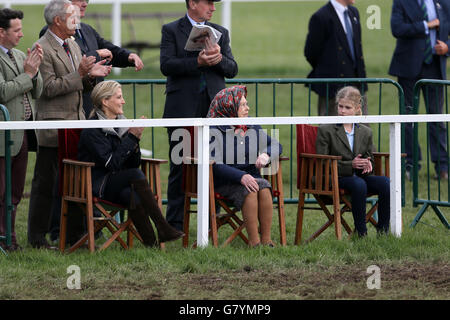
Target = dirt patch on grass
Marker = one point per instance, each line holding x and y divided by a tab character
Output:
405	281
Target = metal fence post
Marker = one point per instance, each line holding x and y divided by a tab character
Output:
8	200
431	200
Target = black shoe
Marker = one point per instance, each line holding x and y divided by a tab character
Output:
43	245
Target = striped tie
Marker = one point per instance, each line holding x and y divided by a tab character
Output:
66	48
26	102
428	54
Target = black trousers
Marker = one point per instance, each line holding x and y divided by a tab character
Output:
42	194
118	187
437	133
175	193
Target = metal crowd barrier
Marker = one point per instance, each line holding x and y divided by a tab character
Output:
8	201
281	97
437	194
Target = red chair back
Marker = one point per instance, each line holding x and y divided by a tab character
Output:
67	149
306	143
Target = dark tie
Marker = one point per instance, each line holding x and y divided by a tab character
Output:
66	48
428	54
26	102
79	35
348	26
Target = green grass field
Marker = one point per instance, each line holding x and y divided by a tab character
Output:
267	42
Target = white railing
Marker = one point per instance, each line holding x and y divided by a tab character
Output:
203	147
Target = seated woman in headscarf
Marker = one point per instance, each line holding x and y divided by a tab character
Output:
240	152
116	176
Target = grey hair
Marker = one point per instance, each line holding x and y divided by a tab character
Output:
55	8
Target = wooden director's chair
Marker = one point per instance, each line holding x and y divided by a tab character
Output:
318	175
216	200
76	189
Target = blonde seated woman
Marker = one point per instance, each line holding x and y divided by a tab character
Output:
116	176
353	142
237	169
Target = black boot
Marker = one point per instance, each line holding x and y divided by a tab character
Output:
143	225
165	231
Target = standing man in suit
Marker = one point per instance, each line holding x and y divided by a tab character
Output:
65	74
20	83
92	44
193	79
333	49
422	29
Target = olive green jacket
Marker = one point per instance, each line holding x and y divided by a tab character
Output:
332	140
14	82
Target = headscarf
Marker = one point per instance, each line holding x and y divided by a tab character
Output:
226	104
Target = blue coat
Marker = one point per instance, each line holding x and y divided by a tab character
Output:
242	161
408	28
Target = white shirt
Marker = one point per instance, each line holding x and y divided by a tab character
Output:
193	22
351	136
61	42
431	11
4	49
339	8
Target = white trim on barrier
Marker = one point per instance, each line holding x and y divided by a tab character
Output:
203	140
181	122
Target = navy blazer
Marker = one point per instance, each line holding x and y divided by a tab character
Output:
408	28
182	71
243	160
327	49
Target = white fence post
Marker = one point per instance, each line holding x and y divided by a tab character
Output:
116	18
395	174
226	16
203	186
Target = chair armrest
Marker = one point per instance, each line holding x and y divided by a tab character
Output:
380	154
319	156
190	160
78	163
154	161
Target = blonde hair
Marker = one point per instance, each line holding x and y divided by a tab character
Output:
352	94
103	90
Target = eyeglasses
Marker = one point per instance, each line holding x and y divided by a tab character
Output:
87	1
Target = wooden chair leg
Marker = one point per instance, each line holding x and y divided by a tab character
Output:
63	226
281	214
90	227
187	209
213	222
300	213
